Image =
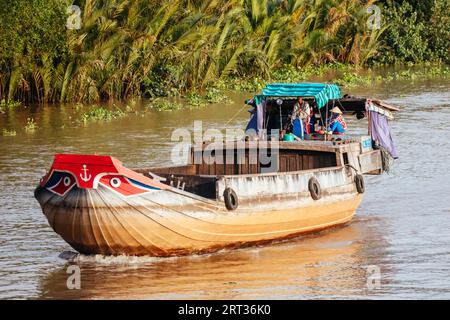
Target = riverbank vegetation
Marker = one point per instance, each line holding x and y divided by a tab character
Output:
344	75
195	48
7	105
31	126
9	133
101	114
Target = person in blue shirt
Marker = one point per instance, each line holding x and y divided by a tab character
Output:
337	124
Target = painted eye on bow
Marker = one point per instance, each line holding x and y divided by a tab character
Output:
60	183
115	182
67	181
124	186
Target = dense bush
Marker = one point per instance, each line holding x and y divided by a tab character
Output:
160	48
416	31
438	31
33	45
154	48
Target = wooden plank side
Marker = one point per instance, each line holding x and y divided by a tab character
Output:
253	162
240	161
310	161
293	163
317	160
371	162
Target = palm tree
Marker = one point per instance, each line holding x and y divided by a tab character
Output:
123	43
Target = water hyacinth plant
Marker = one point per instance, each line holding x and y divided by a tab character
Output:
9	133
31	126
7	105
163	105
101	114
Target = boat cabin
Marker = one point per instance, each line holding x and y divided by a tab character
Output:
262	154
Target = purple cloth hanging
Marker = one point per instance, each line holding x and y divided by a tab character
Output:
257	114
381	132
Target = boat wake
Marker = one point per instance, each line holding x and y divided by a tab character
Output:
126	260
100	259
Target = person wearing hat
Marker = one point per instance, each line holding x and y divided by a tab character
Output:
337	124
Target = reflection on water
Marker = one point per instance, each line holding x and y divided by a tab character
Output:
331	264
401	227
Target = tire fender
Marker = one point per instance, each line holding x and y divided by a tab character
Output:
231	199
314	189
359	182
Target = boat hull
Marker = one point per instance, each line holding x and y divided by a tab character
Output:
167	223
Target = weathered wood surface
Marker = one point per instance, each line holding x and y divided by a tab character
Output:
312	145
385	105
290	157
173	222
167	221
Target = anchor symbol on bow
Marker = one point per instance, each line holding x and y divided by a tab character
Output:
85	177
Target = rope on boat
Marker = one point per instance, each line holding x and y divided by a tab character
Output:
342	107
236	114
352	167
386	159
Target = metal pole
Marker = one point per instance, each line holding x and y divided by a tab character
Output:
281	120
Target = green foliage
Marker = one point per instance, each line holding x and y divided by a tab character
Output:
130	109
134	48
165	105
416	31
31	126
443	71
405	38
351	79
160	82
78	106
33	47
101	114
254	84
4	105
9	133
290	73
212	95
195	99
422	73
438	31
157	49
344	75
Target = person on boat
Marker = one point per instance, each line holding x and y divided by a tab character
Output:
303	111
337	123
300	117
312	121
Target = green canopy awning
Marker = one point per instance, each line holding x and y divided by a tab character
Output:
321	92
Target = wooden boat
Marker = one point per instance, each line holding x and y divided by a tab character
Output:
100	207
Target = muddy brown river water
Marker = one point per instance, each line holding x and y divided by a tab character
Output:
401	229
